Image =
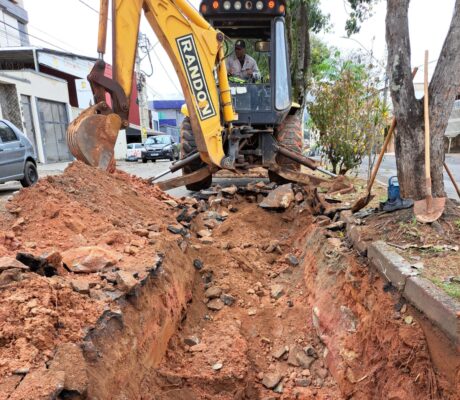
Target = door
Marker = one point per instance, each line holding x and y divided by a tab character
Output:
12	153
53	124
29	128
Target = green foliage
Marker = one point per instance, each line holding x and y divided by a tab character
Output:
302	17
361	10
451	288
320	52
347	110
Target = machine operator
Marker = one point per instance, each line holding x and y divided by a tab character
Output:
241	65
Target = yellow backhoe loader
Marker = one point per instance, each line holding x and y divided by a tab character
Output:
231	123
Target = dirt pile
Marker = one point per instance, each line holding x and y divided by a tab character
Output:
84	239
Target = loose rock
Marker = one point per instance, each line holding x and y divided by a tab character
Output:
280	352
293	260
125	280
198	264
271	379
213	292
204	233
227	299
10	262
177	229
80	286
217	366
191	341
276	291
89	259
215	304
281	197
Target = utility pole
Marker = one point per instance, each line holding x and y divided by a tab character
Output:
142	43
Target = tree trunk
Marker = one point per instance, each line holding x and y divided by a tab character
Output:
409	139
444	88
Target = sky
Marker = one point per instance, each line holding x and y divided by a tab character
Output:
71	25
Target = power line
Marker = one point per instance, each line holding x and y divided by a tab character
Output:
55	38
35	37
92	8
153	49
166	72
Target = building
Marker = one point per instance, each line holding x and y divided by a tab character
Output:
169	115
13	24
42	90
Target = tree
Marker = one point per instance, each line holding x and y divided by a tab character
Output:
443	89
347	110
302	16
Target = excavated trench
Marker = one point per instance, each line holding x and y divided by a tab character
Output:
210	299
271	306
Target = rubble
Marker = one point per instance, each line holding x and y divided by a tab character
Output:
125	280
271	380
215	304
11	263
259	337
281	197
89	259
213	292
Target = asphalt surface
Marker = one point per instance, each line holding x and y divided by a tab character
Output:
388	169
150	169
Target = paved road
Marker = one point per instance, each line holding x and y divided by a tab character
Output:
136	168
388	169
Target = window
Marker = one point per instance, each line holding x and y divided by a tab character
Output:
130	146
162	139
282	100
6	133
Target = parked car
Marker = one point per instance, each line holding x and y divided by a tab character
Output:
160	147
18	161
134	151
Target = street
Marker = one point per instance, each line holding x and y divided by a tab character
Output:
388	169
147	170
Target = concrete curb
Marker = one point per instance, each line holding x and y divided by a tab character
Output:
442	310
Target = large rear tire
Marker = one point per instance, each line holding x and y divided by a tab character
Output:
290	135
188	146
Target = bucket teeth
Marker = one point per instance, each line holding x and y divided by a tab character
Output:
92	136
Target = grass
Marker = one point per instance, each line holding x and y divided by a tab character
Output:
451	288
457	223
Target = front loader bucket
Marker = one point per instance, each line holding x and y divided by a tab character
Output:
92	136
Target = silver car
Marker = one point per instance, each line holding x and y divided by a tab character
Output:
17	156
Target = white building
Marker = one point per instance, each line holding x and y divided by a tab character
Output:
13	24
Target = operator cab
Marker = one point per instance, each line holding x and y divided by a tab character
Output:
259	99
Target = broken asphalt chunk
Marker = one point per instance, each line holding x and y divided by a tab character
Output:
176	229
197	263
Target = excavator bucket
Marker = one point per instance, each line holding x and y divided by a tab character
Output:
92	136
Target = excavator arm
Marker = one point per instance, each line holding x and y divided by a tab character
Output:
196	51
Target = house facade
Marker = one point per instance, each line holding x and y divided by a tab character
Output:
13	24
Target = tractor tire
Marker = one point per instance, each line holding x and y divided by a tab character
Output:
290	135
188	146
